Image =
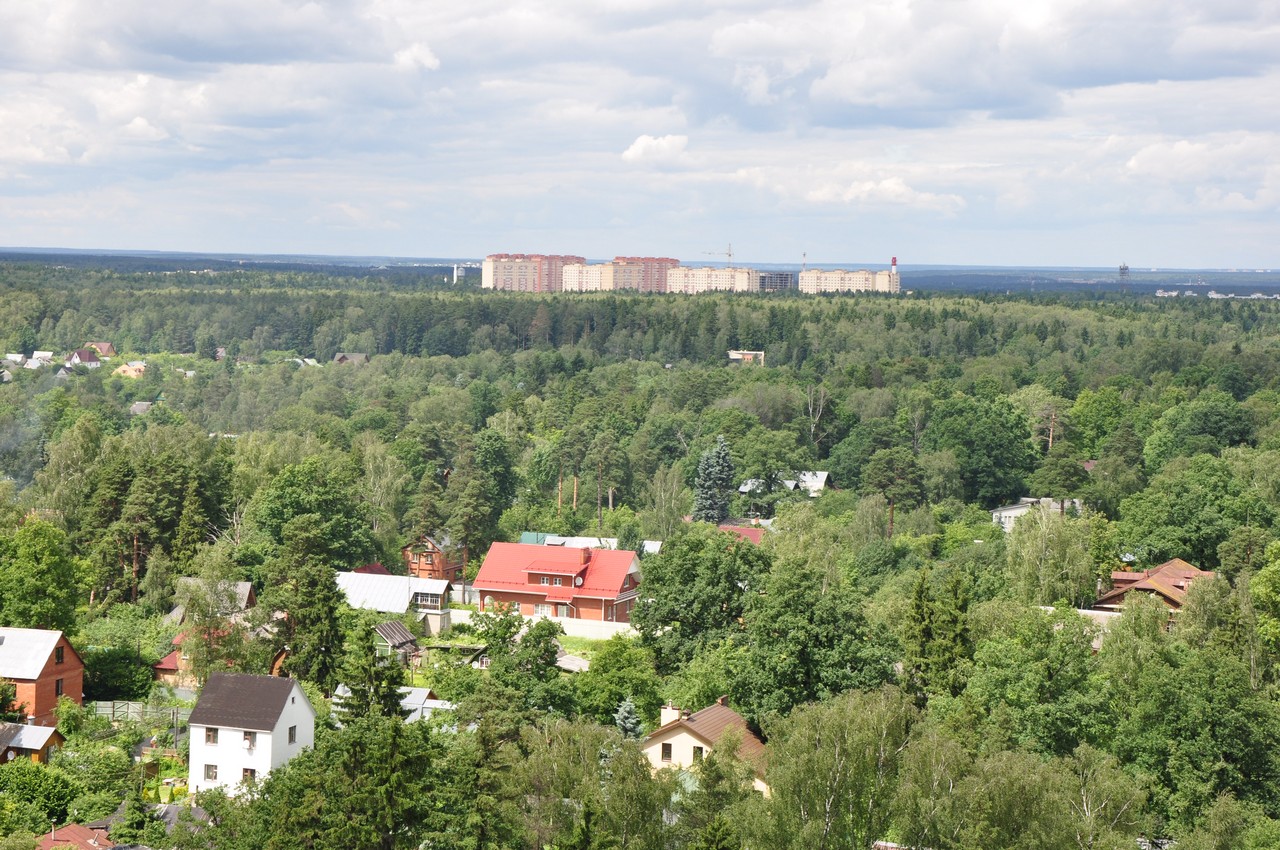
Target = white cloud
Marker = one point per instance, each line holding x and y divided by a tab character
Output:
660	150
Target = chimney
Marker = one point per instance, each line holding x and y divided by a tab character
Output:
669	714
31	720
585	556
724	700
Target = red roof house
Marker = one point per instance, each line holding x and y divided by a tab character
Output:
1168	582
75	835
750	533
585	584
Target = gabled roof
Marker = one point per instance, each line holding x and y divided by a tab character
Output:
244	701
395	634
388	594
750	533
85	355
23	737
106	349
351	357
75	835
651	547
1170	580
24	652
711	724
596	573
374	569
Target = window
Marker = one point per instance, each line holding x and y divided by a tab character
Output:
697	754
57	687
545	580
248	774
424	601
58	655
542	610
250	740
211	772
559	582
666	752
293	734
211	735
563	611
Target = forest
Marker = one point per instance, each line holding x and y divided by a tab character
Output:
917	675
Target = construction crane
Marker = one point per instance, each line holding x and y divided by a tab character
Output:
726	254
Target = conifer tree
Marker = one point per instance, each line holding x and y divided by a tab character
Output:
627	719
374	683
715	478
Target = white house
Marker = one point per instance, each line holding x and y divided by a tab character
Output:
244	726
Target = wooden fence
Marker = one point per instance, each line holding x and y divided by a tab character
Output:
140	712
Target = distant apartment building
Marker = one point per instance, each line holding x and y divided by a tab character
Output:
691	281
526	272
777	281
817	281
641	274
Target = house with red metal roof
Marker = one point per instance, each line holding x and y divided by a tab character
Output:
549	581
1168	583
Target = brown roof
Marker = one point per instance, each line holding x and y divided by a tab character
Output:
75	835
1170	580
712	723
395	634
242	701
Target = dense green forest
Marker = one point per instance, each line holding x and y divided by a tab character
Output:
918	675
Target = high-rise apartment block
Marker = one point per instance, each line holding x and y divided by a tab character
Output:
642	274
816	281
525	272
691	281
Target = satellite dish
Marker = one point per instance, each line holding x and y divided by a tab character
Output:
577	581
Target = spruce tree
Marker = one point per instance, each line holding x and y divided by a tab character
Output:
715	478
627	719
374	682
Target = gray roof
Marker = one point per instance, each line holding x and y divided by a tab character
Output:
243	701
395	634
237	595
651	547
25	737
388	594
24	652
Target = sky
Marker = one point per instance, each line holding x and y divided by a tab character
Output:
985	132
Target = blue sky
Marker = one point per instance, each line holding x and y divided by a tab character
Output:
1010	132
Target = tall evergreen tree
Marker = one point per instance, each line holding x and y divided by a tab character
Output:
374	683
715	478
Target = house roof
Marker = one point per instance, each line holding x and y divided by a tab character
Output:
106	349
388	594
23	737
243	701
168	664
395	634
651	547
374	569
597	573
750	533
24	652
75	835
85	355
1170	580
711	723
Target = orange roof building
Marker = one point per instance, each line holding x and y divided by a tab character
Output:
1169	582
549	581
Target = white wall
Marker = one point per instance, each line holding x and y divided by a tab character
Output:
592	629
270	750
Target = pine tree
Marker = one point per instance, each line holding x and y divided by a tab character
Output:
374	682
627	719
192	527
719	835
715	478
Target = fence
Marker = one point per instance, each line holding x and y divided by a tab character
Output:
140	712
593	629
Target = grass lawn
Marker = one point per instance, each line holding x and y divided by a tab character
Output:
580	646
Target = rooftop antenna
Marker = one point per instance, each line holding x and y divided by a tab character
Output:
1124	273
804	262
726	254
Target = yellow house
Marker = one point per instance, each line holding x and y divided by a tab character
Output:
37	743
684	738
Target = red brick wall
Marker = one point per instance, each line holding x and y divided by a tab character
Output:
583	609
41	696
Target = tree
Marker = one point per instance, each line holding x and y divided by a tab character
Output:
324	490
621	671
1048	559
627	719
373	683
37	578
991	442
309	592
833	771
894	474
712	486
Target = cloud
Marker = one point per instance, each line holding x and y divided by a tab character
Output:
663	150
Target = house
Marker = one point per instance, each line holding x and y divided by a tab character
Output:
227	598
14	360
243	727
1168	582
374	569
39	359
546	581
651	547
43	666
85	357
755	357
305	361
132	369
350	357
37	743
428	558
426	597
683	738
138	408
392	639
104	349
1007	515
750	533
75	835
812	482
417	703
